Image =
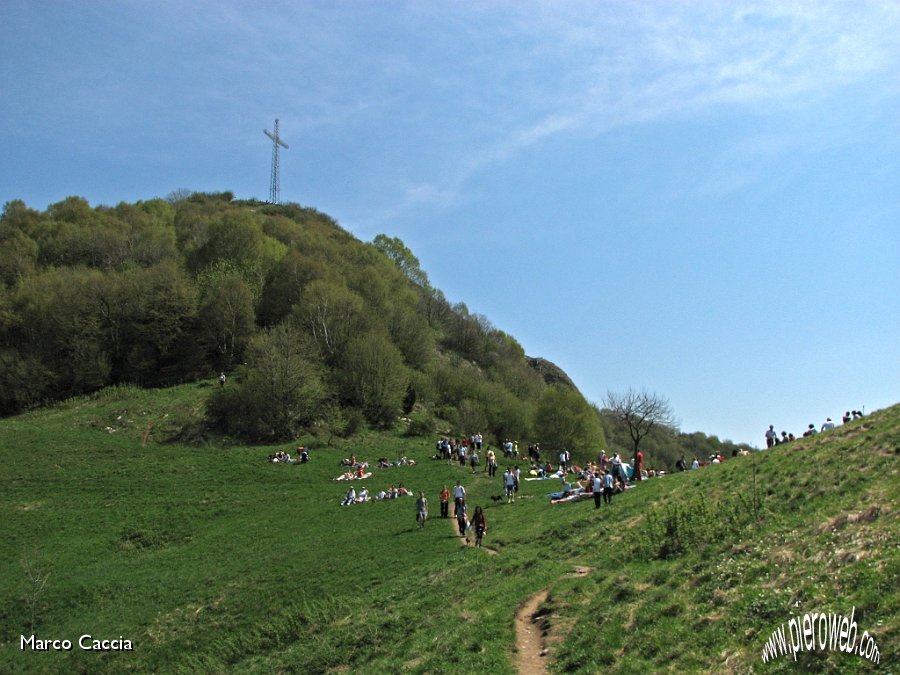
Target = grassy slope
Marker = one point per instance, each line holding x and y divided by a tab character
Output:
214	558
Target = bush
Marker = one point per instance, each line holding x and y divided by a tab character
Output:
422	424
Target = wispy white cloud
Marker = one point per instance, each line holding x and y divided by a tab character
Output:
590	68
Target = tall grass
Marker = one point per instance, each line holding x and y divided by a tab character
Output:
210	559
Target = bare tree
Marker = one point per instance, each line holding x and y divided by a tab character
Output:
640	412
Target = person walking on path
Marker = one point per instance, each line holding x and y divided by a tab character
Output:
459	497
462	521
421	509
479	524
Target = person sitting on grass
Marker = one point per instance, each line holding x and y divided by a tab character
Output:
363	496
350	498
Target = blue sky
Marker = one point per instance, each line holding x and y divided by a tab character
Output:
697	198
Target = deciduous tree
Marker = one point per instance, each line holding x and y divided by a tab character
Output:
639	412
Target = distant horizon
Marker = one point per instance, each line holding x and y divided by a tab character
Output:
698	199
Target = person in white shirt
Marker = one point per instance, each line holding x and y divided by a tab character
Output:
459	497
597	487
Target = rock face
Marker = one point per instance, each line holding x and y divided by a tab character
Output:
551	373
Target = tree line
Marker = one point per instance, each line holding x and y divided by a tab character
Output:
316	329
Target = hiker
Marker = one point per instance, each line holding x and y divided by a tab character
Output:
509	482
480	525
491	463
473	460
771	436
221	379
421	509
462	521
445	502
459	498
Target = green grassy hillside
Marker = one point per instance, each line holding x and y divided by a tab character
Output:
211	558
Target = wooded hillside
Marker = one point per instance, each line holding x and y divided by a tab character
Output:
314	329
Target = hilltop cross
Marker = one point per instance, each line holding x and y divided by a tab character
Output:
275	185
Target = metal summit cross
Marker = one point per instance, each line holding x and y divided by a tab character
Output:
275	185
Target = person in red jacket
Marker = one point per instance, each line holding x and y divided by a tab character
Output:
638	465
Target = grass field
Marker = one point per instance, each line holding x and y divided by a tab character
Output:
210	558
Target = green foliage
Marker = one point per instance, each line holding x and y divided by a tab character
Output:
331	314
277	395
565	420
226	316
374	379
163	291
402	257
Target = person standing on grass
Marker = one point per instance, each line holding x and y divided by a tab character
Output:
617	471
509	482
491	463
597	486
638	465
479	524
608	487
221	379
421	509
771	436
445	502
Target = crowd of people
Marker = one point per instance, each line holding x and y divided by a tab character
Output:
281	457
773	439
597	481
